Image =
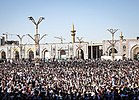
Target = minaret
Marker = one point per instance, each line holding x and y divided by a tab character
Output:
121	44
73	34
121	36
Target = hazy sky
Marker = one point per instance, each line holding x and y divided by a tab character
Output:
91	18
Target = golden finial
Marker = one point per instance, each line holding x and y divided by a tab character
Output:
121	34
73	31
72	27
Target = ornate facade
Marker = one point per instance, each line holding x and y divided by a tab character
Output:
47	51
80	49
124	48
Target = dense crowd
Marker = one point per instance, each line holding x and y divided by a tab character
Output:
74	79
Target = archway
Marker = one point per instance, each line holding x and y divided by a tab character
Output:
16	55
135	52
80	54
62	54
31	55
137	56
110	51
46	54
3	55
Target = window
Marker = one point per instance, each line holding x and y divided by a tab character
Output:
124	48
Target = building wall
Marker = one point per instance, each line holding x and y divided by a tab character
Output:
49	50
52	50
126	47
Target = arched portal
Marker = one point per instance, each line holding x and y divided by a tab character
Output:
137	56
46	54
80	54
135	52
3	55
16	55
110	51
62	54
31	55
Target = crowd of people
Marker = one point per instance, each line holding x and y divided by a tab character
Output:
71	79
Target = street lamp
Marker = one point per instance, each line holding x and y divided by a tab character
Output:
20	37
37	45
61	38
38	39
37	36
112	31
36	24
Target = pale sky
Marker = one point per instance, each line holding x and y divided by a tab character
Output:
91	18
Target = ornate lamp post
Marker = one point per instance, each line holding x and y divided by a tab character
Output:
20	38
112	31
37	36
37	45
21	45
61	38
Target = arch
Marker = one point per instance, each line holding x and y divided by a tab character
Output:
46	54
80	54
137	56
110	51
16	55
134	53
62	53
3	55
31	55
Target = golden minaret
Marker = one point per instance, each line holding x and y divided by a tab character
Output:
121	36
73	34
